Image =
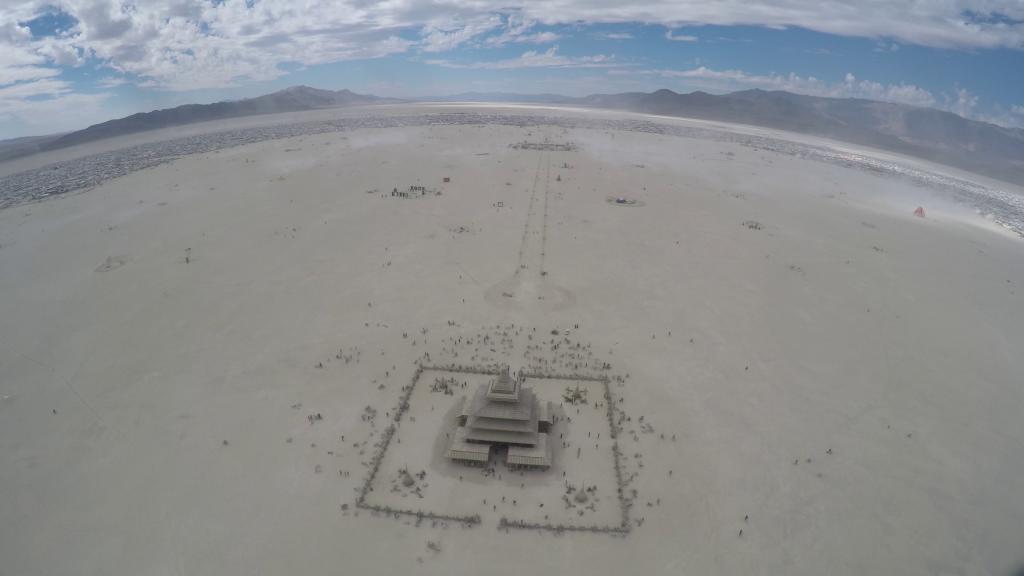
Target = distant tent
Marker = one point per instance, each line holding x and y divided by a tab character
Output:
919	212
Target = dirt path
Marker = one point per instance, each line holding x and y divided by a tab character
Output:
529	286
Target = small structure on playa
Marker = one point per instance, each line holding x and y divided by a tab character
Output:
414	191
503	415
623	201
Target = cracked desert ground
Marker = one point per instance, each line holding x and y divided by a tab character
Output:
827	384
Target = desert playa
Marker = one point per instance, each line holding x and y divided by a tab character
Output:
247	354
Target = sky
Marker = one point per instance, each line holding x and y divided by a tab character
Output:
66	64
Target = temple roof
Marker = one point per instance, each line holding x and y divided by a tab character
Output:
460	449
482	406
504	388
478	422
538	454
504	437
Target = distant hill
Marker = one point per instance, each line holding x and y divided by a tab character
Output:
504	97
292	99
926	133
18	147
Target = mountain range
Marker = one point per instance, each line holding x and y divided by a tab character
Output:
294	99
926	133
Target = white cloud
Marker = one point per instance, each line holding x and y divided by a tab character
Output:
517	31
102	20
617	36
1000	117
1012	117
60	53
195	44
112	82
962	102
539	38
535	38
35	88
30	92
679	37
189	44
47	105
441	39
220	43
18	60
12	74
533	59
